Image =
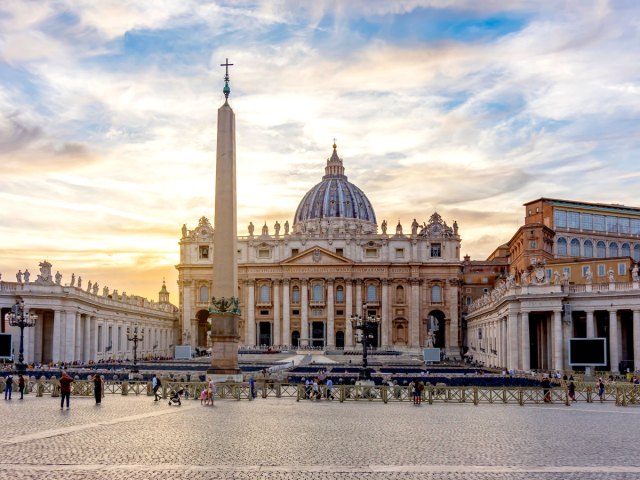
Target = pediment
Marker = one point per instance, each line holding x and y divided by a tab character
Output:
317	256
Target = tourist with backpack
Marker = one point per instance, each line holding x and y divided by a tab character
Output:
8	387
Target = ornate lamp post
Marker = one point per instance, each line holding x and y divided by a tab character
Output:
368	326
134	337
21	318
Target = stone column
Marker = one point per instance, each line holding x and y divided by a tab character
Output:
286	313
86	354
70	337
386	321
614	348
304	313
414	322
557	340
331	312
525	349
78	340
94	339
636	339
276	313
503	346
251	313
591	324
348	313
57	327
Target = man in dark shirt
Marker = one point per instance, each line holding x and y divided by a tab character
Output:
65	389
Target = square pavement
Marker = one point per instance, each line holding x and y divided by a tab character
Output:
136	438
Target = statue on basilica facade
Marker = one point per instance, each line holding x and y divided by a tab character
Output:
19	276
27	275
556	277
286	227
73	279
95	288
525	277
384	227
399	228
58	278
79	282
265	229
251	227
414	227
455	227
634	273
89	286
105	291
276	227
611	276
184	230
588	276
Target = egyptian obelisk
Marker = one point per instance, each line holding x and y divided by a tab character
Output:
224	310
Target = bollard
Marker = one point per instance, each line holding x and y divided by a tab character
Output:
55	388
264	389
342	393
589	392
520	397
164	390
385	394
298	393
149	389
125	388
430	390
39	388
278	390
475	396
566	397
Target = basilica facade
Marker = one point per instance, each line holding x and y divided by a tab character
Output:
304	284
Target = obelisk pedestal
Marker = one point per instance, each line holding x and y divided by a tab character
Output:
224	311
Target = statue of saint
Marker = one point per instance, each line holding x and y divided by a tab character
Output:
525	277
565	278
184	230
634	273
19	276
612	278
384	227
286	227
399	228
455	227
95	288
79	282
27	275
73	279
105	291
265	229
58	278
276	227
89	286
588	276
414	227
556	277
251	228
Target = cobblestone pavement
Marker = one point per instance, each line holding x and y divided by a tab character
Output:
137	438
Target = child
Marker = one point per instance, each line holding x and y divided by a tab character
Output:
203	396
212	392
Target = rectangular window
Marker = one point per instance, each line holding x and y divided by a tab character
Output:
635	226
294	252
573	220
204	251
295	311
549	274
468	300
601	270
264	253
612	224
585	269
435	250
623	225
622	269
371	252
264	312
339	313
340	251
533	244
598	223
399	252
560	218
99	338
586	221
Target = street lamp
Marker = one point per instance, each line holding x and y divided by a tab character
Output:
21	318
368	326
134	337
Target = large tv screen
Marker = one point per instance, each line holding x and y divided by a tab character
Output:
5	345
585	352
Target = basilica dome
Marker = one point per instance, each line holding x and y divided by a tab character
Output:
335	203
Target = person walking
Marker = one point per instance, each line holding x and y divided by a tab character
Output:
65	389
329	389
600	386
572	391
252	388
21	385
8	387
97	388
156	384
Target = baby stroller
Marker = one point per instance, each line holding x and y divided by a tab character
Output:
175	397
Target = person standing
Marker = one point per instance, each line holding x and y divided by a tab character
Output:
21	385
156	384
97	388
65	389
329	389
8	387
572	391
600	386
252	388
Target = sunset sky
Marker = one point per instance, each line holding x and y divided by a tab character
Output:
470	108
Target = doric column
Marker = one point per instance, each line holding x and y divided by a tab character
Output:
348	313
286	313
69	339
614	349
331	311
56	353
384	325
77	347
414	315
86	354
557	340
591	324
525	358
251	313
304	312
94	338
503	346
636	339
276	312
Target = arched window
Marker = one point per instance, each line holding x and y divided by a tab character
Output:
295	295
613	249
575	247
636	253
562	247
601	250
265	294
626	250
399	294
372	293
316	292
339	294
588	248
436	294
204	293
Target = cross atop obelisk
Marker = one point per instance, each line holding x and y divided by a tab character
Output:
226	90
